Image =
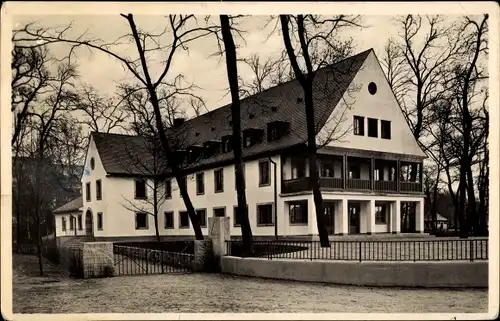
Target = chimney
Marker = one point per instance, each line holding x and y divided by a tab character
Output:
178	122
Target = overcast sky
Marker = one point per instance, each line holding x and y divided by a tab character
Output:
207	72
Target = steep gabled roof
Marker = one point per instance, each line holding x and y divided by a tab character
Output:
284	102
69	207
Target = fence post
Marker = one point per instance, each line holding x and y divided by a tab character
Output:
359	242
471	248
147	260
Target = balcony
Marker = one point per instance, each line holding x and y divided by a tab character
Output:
410	187
358	184
330	183
382	186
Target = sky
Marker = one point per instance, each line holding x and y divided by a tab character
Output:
197	65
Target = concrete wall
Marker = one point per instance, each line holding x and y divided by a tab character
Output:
404	274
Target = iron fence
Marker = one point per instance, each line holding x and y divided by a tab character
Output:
377	250
140	260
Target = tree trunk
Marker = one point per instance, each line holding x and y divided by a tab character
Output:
434	206
38	186
174	164
471	204
156	208
313	167
232	76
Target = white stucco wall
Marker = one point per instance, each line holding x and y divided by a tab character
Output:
381	106
69	232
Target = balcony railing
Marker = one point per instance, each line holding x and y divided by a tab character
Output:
331	183
302	184
386	185
410	187
363	184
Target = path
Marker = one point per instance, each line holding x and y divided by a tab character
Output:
218	293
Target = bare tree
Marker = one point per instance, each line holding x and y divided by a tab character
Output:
145	159
181	31
232	76
310	48
100	114
43	121
467	73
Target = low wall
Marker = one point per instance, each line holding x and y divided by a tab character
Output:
404	274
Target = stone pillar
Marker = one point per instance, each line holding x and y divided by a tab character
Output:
203	255
370	218
345	217
218	230
97	259
312	222
419	216
396	217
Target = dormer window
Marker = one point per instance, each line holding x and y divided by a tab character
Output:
277	130
194	152
210	148
252	136
227	145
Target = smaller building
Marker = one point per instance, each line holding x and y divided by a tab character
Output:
441	222
69	219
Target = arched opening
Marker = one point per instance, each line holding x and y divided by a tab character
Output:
89	226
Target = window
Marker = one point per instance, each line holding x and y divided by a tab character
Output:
372	127
98	189
168	188
372	88
298	168
92	163
277	130
169	219
202	216
87	191
141	221
298	212
183	219
220	212
236	217
227	145
71	223
265	214
380	214
99	221
236	185
80	227
140	189
63	221
376	174
359	125
264	175
326	168
183	181
219	180
354	172
200	183
385	126
252	137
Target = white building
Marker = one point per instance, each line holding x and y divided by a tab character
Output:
363	173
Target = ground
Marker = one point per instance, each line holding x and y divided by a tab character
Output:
56	293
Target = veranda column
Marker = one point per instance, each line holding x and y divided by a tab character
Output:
345	217
419	216
396	217
311	220
370	219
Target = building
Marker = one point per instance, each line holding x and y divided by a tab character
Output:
441	223
364	171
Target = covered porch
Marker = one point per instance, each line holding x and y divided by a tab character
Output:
357	216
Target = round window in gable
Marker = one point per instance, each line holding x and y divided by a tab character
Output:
372	88
92	163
